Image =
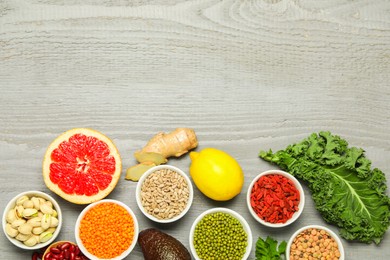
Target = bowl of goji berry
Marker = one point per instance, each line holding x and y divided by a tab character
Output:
275	198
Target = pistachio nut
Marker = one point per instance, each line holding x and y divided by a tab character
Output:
35	222
11	217
46	221
36	203
37	230
25	229
37	238
22	237
28	204
46	208
21	200
30	213
19	211
45	236
12	232
31	241
17	223
48	202
41	200
55	213
51	230
53	221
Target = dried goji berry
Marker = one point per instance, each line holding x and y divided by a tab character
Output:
274	198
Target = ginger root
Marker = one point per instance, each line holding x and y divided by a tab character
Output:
135	172
159	148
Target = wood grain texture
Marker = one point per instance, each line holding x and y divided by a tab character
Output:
246	75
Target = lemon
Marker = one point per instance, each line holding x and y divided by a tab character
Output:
216	174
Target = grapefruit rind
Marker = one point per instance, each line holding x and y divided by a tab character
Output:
74	198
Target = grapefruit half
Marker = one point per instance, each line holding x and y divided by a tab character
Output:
82	166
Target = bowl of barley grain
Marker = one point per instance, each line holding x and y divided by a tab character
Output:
164	193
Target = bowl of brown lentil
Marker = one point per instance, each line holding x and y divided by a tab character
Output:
164	193
314	242
220	233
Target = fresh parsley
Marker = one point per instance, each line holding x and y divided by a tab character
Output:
269	250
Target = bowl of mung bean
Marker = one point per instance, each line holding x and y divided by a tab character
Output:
32	220
164	193
314	242
220	233
106	229
275	198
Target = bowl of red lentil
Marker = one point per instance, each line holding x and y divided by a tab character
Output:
275	198
164	193
314	242
106	229
220	233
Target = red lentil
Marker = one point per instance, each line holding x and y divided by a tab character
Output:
274	198
107	230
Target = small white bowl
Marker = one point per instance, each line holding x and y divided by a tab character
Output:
296	214
141	182
330	232
223	210
81	216
12	203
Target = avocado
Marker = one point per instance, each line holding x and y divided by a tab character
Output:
157	245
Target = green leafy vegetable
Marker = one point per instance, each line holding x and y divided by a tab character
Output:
345	190
268	249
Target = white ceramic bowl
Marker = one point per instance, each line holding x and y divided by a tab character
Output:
11	204
141	182
223	210
330	232
81	216
301	204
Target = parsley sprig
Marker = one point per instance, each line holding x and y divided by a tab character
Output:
269	250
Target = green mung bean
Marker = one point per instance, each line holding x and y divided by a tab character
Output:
220	236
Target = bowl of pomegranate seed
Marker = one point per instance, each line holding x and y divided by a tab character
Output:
275	198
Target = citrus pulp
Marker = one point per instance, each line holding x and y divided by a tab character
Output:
82	166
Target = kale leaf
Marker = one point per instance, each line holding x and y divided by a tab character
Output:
345	190
268	249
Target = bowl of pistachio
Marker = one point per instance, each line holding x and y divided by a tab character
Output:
32	220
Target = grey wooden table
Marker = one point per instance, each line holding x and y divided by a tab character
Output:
246	75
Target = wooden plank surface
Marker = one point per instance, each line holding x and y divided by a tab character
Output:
246	75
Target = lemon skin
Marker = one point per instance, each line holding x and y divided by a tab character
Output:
216	174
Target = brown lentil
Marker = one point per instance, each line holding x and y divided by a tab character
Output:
314	243
164	194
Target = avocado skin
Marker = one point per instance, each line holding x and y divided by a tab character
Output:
157	245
